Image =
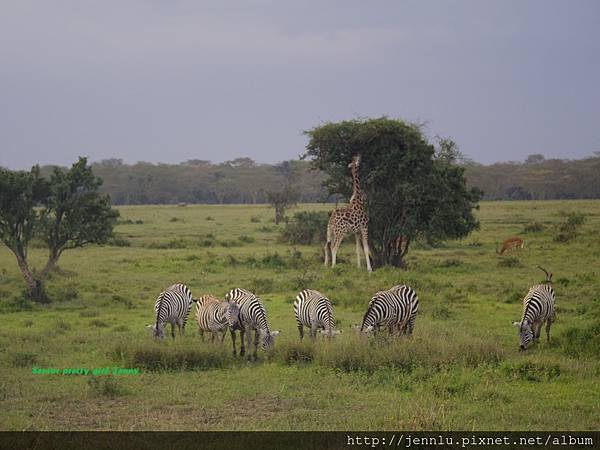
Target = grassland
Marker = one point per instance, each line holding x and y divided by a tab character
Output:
461	370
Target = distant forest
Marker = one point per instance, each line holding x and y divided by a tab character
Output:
244	181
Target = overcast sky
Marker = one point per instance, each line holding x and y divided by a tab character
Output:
172	80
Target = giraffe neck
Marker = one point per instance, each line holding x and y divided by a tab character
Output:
356	201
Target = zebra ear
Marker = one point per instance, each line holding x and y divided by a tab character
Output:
275	333
516	324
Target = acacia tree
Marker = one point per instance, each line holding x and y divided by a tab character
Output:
65	212
282	200
411	190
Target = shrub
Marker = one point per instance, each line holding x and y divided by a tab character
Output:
23	359
209	218
534	227
246	239
569	229
118	241
105	386
511	261
116	298
157	356
262	285
175	219
306	227
255	219
441	312
582	340
172	244
531	371
89	313
98	323
266	229
450	262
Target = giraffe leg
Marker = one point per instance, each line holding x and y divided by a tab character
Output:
327	252
358	246
334	249
365	239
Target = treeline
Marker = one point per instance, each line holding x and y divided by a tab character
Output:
537	178
244	181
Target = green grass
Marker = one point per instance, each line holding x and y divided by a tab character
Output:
460	370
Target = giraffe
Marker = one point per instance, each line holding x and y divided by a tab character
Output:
350	219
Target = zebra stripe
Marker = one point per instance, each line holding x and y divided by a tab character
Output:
215	316
395	308
172	306
538	307
313	310
252	316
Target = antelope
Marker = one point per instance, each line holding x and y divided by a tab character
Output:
513	242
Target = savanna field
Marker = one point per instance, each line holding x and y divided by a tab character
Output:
460	370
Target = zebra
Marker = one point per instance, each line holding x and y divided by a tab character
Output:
538	307
395	308
252	316
216	316
173	306
314	310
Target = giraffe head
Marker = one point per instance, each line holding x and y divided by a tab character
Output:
355	161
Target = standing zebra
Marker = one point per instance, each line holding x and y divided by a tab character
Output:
538	307
216	316
395	308
314	310
173	306
252	316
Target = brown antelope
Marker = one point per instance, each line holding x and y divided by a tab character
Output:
509	243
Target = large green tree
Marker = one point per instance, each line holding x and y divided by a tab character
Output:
65	212
412	190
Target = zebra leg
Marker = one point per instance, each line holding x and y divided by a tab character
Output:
242	343
223	336
201	333
301	330
173	330
233	341
313	332
249	339
358	246
548	325
256	339
537	328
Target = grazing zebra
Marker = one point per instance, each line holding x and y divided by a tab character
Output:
395	308
215	316
173	306
314	310
538	307
252	316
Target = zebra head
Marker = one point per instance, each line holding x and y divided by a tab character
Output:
268	339
233	314
157	333
525	333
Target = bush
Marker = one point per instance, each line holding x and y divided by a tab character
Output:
582	341
534	227
255	219
23	359
98	323
306	227
118	241
104	386
530	371
172	244
157	356
246	239
511	261
262	285
569	229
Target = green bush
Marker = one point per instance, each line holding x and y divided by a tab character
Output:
23	359
105	386
511	261
534	227
531	371
305	228
118	241
159	356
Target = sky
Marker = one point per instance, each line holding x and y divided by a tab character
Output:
168	81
